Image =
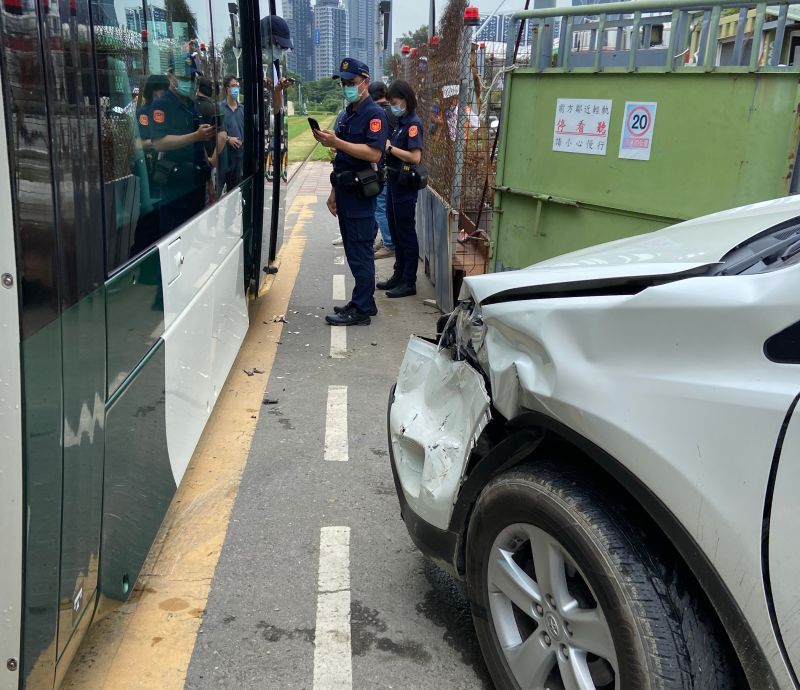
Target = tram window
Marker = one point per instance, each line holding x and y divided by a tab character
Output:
163	148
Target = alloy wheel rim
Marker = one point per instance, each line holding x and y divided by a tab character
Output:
549	624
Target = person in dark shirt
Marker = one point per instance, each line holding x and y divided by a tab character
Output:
359	138
403	153
211	115
233	123
179	136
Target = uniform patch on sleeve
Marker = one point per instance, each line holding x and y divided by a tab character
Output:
143	120
375	125
413	131
158	116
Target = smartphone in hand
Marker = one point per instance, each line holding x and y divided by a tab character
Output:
314	124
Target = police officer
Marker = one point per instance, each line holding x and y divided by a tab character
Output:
359	139
178	135
147	228
403	152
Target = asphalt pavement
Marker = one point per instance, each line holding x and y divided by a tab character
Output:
319	461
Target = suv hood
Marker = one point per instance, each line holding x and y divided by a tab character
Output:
670	253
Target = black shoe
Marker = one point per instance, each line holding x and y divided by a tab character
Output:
372	311
393	282
342	310
352	317
403	290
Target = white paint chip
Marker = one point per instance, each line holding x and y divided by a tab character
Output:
333	657
336	425
338	342
338	288
338	261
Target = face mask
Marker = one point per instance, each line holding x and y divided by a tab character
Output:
186	88
351	94
235	93
397	110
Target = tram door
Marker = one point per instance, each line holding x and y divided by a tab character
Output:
51	116
75	170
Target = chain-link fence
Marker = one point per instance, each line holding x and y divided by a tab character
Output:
458	83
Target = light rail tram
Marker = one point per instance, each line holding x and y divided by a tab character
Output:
129	262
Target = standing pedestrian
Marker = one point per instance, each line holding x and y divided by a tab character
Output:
403	154
234	126
377	91
359	139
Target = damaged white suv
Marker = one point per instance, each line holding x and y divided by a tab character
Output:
605	447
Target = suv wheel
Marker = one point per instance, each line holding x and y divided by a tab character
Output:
570	592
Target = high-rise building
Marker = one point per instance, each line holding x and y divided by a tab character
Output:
497	28
361	15
156	21
299	17
331	37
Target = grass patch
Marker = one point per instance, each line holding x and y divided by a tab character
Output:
302	142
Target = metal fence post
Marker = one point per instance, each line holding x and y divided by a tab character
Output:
463	118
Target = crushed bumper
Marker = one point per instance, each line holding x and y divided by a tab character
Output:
437	411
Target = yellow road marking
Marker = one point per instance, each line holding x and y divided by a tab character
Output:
148	642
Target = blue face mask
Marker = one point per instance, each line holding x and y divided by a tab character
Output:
397	110
351	94
186	88
235	93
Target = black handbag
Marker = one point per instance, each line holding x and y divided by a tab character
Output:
368	183
412	176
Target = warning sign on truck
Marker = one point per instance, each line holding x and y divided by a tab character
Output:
581	126
637	130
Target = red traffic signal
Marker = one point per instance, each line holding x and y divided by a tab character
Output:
472	16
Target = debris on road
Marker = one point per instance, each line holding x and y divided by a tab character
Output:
270	401
279	318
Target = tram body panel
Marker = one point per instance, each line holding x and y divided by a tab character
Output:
116	341
205	313
11	506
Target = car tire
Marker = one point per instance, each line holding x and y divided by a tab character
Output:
571	591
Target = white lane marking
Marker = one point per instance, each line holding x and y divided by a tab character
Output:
333	665
338	342
338	287
338	261
336	423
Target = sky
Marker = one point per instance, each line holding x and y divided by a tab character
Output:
411	14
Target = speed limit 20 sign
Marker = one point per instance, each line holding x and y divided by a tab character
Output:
638	125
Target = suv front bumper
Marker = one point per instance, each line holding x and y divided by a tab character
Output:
437	410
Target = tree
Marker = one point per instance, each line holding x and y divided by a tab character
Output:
228	57
417	38
179	12
324	95
391	67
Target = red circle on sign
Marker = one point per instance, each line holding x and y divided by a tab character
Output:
647	113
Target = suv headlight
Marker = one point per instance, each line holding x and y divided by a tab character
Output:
465	332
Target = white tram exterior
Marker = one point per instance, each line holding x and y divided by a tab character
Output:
118	330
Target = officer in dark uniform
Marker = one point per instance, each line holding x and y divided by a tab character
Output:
147	227
178	135
359	139
403	154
